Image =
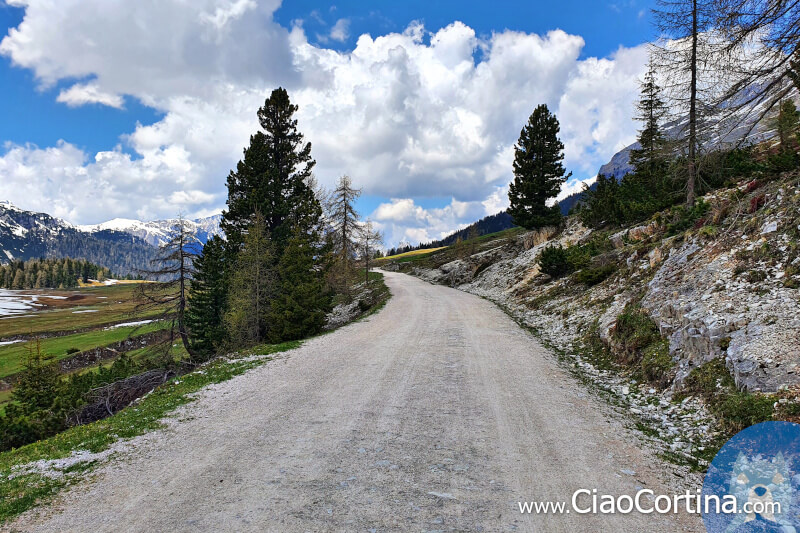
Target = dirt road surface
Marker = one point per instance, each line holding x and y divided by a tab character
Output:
438	413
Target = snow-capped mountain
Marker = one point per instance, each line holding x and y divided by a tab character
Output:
27	234
156	232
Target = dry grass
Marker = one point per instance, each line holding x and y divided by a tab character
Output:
411	253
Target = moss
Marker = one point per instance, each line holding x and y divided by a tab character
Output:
657	363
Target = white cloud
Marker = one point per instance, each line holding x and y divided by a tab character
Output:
341	30
88	93
402	220
407	115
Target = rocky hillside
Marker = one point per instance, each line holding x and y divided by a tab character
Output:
682	317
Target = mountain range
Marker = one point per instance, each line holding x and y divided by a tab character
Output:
122	245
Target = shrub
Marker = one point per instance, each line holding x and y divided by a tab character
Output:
594	275
740	409
554	261
642	347
71	351
736	409
684	217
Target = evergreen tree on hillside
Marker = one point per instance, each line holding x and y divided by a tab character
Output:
301	302
538	172
787	125
207	294
273	177
251	286
650	158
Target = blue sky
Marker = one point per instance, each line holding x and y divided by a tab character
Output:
133	106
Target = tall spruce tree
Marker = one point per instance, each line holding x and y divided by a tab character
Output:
251	286
650	158
207	298
273	177
301	302
538	172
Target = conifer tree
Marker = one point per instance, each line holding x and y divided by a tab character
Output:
301	302
207	295
538	172
273	178
370	238
650	158
787	124
251	286
687	62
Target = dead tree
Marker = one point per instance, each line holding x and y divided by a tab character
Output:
370	238
682	59
165	296
345	227
761	42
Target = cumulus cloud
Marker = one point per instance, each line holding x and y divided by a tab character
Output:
408	115
88	93
341	30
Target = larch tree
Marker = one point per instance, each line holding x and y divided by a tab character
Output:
171	273
370	239
761	45
684	58
251	286
345	230
538	172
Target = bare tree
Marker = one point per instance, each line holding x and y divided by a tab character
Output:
682	60
345	228
370	238
762	40
171	271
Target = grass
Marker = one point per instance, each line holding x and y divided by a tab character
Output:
19	493
412	253
735	409
433	257
12	356
113	303
640	346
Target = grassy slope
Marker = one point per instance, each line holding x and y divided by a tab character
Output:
12	356
22	491
438	256
114	304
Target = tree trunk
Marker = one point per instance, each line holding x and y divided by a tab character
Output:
690	186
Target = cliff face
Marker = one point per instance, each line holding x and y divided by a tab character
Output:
726	288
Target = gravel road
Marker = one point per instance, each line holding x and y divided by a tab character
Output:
437	414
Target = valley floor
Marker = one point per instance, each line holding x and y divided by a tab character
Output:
437	413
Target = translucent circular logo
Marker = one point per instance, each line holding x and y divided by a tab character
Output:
753	482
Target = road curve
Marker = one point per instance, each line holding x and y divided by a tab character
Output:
437	414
